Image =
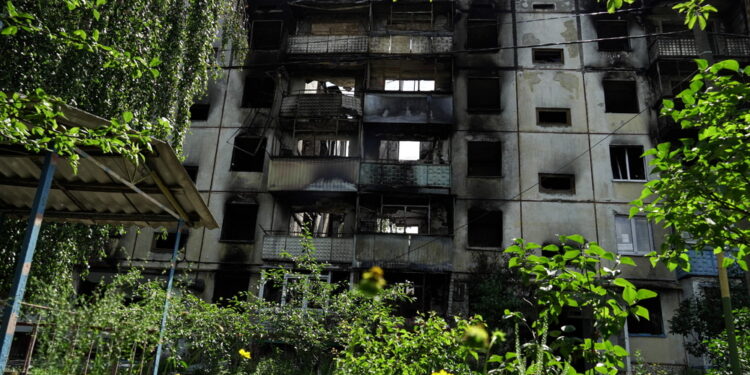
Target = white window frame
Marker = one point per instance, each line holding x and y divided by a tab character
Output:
285	286
627	163
634	236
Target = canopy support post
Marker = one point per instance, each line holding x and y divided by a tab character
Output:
26	256
165	313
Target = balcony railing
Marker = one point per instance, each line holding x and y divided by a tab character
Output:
414	251
313	174
683	46
336	250
405	175
408	108
321	106
387	44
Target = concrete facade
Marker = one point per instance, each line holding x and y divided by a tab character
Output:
413	217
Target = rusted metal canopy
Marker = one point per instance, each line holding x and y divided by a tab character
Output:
94	196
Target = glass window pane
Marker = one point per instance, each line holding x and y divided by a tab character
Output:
391	85
643	239
624	235
408	85
636	163
427	85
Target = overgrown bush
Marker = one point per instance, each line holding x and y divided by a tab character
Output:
719	351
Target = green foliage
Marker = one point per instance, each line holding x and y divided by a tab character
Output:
694	10
703	186
719	351
699	320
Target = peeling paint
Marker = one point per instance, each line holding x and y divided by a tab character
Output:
569	82
570	34
529	39
532	78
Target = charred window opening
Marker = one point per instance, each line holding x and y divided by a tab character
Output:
404	215
557	183
627	163
553	116
258	92
651	327
228	285
485	228
266	35
612	29
543	6
248	154
483	93
162	244
199	111
409	85
620	96
634	235
482	28
319	224
326	147
192	171
547	55
485	159
239	222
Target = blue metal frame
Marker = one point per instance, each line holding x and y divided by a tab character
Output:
165	313
26	255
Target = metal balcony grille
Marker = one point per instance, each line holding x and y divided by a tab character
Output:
312	44
411	175
339	250
320	106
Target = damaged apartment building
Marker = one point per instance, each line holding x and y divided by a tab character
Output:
417	135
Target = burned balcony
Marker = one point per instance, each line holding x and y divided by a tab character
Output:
411	44
363	44
408	108
418	252
321	105
682	46
333	250
313	174
394	175
327	44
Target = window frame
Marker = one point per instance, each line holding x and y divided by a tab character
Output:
236	150
534	59
626	40
634	235
637	103
499	162
568	120
251	233
652	315
493	109
472	218
627	163
168	250
570	177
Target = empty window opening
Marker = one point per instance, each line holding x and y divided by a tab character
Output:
192	171
408	150
484	159
481	34
409	84
228	285
620	96
633	235
323	147
239	222
404	215
543	6
266	35
557	183
404	219
320	224
654	325
553	116
248	154
430	152
485	228
165	244
627	163
547	55
258	92
328	87
199	111
483	93
612	29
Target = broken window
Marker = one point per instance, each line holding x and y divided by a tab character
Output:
633	235
627	163
612	29
484	159
248	154
557	183
323	147
553	116
654	326
483	93
409	84
258	92
320	224
485	228
266	35
547	56
620	96
165	244
199	111
481	28
229	284
239	222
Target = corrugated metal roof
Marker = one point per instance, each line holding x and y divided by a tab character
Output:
92	196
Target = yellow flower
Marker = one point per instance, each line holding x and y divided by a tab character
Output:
476	337
372	281
442	372
245	353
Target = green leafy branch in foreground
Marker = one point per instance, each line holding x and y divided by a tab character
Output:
694	10
704	181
